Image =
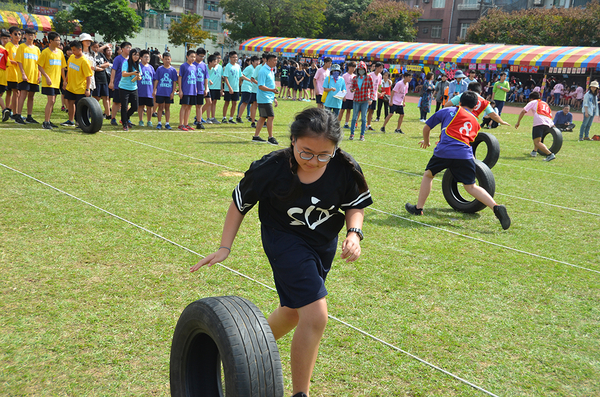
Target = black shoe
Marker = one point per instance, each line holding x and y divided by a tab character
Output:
369	128
129	124
68	123
398	131
253	125
502	215
52	124
258	139
46	125
5	115
19	119
413	209
231	121
273	141
239	120
154	114
200	126
382	129
30	120
300	394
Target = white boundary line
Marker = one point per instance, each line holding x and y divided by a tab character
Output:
252	279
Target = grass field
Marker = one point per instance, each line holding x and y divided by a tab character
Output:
89	302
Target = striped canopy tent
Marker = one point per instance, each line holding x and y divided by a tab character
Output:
577	57
41	23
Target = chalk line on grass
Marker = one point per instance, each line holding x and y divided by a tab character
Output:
251	279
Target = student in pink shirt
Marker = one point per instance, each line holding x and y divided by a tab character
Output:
542	123
578	96
349	98
376	77
319	79
397	101
557	91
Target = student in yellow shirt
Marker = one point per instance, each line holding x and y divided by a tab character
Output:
12	94
4	38
51	63
29	76
77	80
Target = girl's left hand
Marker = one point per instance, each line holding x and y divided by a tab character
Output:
351	248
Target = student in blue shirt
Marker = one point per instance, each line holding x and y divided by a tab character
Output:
333	85
128	89
231	77
248	97
265	98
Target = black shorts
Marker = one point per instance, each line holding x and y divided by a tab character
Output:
26	86
305	84
265	110
2	89
73	97
200	99
398	109
215	95
311	84
348	104
463	170
12	85
146	102
188	100
49	91
248	97
539	130
284	82
100	90
319	99
164	99
299	268
116	97
373	106
207	95
231	97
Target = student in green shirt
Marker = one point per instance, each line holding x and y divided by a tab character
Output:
500	89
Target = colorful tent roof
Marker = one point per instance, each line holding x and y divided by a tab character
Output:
431	53
41	23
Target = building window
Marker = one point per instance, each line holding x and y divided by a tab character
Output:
211	6
438	4
436	32
463	30
425	30
210	24
559	3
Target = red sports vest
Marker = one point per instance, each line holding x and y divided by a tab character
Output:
3	58
463	127
480	107
543	109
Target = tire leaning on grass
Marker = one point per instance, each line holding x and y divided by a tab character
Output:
453	196
557	139
89	115
493	148
225	332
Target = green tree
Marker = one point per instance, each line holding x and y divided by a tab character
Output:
387	20
285	18
13	6
159	5
64	22
337	23
573	26
113	19
188	31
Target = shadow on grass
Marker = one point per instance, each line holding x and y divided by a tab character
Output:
519	158
439	217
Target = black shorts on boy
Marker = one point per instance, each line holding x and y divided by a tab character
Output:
231	97
463	170
26	86
49	91
199	99
539	130
398	109
215	95
319	99
265	110
164	99
146	101
73	97
188	100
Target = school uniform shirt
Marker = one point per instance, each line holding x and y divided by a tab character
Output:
188	75
145	85
320	79
376	83
340	85
214	75
247	86
117	67
78	69
285	72
400	91
3	65
166	77
127	83
299	77
266	77
459	129
233	74
100	76
91	58
542	115
53	63
11	70
257	70
201	76
28	57
348	80
316	215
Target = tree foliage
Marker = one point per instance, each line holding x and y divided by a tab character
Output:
159	5
285	18
337	23
13	6
188	31
64	22
113	19
387	20
540	26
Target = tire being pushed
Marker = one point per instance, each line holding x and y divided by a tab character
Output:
469	205
493	148
89	115
228	333
557	139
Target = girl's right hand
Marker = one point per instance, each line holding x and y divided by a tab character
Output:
211	259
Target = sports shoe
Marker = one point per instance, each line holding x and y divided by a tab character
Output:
351	137
129	124
369	128
382	129
189	128
502	215
266	125
19	119
533	153
215	121
346	126
149	123
159	126
114	122
362	138
207	121
182	127
273	141
398	131
200	126
300	394
46	125
377	119
154	114
141	123
231	121
587	138
550	157
5	114
257	139
224	121
168	127
238	120
248	118
63	109
413	209
52	124
106	117
125	128
253	125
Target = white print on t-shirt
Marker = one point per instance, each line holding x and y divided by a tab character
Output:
322	216
466	128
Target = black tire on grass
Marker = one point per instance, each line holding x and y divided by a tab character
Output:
225	332
557	139
493	148
89	115
470	205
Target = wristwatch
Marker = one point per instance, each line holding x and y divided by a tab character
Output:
357	231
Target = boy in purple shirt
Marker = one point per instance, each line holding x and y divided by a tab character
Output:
188	90
115	78
145	88
164	89
202	85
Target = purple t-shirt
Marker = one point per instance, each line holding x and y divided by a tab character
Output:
201	76
188	74
145	86
117	66
166	78
448	147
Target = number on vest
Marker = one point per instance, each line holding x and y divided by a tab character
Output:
466	128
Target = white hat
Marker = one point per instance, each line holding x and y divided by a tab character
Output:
594	84
85	36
